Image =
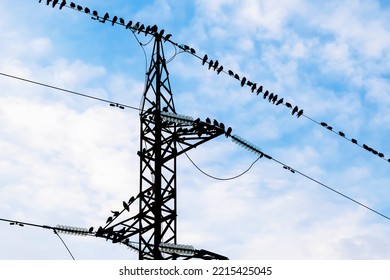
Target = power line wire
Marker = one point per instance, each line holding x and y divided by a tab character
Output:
70	253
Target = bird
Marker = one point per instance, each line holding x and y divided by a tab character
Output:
341	134
162	31
259	90
381	155
95	15
129	24
294	110
230	72
55	2
271	96
354	141
63	3
329	127
288	105
167	37
265	94
228	132
208	121
216	63
122	21
280	101
222	126
131	200
236	76
154	29
72	5
300	113
211	63
254	86
220	69
90	230
324	124
106	17
192	50
109	220
275	99
79	8
126	206
243	81
142	27
87	10
48	2
116	213
114	19
40	1
204	60
215	122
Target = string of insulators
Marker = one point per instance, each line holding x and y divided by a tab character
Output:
177	118
72	230
180	249
248	146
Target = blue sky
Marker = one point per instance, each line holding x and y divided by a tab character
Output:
70	160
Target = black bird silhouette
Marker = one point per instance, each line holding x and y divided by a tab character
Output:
87	10
161	32
294	110
265	94
230	72
329	127
215	122
211	63
228	132
129	24
204	60
275	99
154	29
341	134
280	101
142	27
243	81
95	15
126	206
63	3
131	200
192	50
381	155
116	213
48	2
109	220
254	86
79	8
216	63
300	113
220	69
167	37
55	2
114	19
72	5
106	17
90	230
354	141
122	21
271	96
236	76
40	1
208	120
259	90
222	126
288	105
324	124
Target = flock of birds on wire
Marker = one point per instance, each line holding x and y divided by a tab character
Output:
210	63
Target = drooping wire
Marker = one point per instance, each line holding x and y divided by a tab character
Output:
67	248
219	178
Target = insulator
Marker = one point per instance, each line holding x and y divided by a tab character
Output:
246	144
177	118
177	248
72	230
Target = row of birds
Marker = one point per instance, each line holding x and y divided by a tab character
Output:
354	141
272	98
153	30
203	127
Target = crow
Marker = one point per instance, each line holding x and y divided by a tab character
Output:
294	110
114	19
220	69
63	3
300	113
204	60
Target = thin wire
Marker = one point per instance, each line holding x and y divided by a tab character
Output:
218	178
70	253
67	91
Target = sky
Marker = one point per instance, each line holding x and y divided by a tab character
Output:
70	160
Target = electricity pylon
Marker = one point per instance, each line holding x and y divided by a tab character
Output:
164	136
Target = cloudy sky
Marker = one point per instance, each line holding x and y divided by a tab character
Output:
70	160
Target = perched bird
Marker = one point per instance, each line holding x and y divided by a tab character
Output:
109	220
275	99
131	200
294	110
154	29
215	122
280	101
63	3
271	96
220	69
192	50
324	124
230	72
236	76
204	60
222	126
114	19
128	25
116	213
72	5
259	90
162	31
90	230
381	155
354	141
265	94
211	63
300	113
121	21
48	2
106	17
216	63
243	81
341	134
329	127
254	86
79	8
167	37
87	10
55	2
228	132
208	121
95	15
141	28
126	206
288	105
